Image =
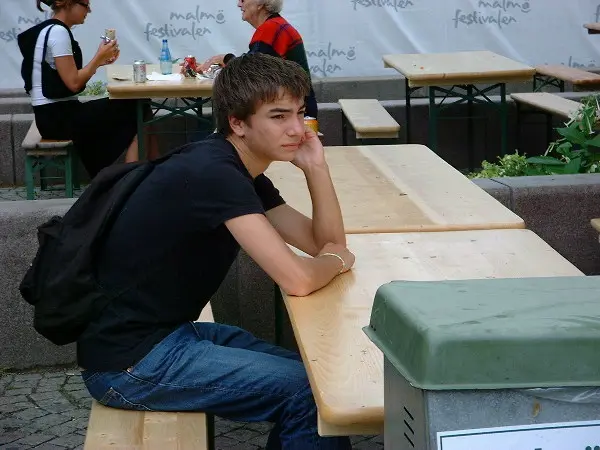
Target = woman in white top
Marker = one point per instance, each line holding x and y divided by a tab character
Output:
54	74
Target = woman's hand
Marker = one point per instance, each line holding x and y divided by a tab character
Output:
107	53
217	59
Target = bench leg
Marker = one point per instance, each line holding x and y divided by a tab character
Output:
503	120
29	161
69	175
408	92
344	129
210	431
74	167
43	183
433	120
470	138
548	129
518	126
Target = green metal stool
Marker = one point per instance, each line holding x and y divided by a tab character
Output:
42	154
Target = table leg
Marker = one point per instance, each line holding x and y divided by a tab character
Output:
433	116
503	120
408	92
279	312
140	130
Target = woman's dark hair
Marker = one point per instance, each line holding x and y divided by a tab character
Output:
55	5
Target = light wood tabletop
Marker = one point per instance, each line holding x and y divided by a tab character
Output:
344	367
121	85
443	69
397	188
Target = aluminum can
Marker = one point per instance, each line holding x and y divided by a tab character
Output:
139	71
110	33
311	123
189	66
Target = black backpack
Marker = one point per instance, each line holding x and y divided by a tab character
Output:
61	282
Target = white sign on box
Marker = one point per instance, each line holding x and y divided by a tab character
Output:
554	436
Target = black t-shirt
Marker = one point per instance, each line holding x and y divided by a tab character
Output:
169	250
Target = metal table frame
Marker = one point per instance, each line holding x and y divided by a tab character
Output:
464	93
192	109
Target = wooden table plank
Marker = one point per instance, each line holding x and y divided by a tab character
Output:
397	188
443	69
345	369
186	87
368	116
552	103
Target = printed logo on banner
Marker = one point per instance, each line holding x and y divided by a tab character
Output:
329	60
498	13
193	23
22	23
398	5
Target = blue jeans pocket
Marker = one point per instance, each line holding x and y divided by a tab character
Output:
115	399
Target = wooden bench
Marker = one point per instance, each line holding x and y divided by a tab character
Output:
111	428
556	75
596	225
544	103
368	118
42	154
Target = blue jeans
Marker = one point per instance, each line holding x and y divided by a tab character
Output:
225	371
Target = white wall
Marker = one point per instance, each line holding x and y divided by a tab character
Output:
342	37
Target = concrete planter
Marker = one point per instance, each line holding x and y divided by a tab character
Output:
559	209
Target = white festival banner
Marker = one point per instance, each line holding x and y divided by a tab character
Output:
343	38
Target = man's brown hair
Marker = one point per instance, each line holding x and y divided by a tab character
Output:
250	80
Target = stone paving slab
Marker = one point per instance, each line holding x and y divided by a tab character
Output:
49	410
20	193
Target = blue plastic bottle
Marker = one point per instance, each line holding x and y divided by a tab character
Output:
166	63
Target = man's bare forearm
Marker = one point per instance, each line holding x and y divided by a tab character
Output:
328	225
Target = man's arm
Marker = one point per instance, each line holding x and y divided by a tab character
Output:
295	274
327	225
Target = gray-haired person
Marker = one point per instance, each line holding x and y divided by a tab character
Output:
274	36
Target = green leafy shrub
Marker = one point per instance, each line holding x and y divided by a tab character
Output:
576	151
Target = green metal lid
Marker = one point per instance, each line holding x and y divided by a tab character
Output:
491	334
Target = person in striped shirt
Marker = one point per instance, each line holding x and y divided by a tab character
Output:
274	36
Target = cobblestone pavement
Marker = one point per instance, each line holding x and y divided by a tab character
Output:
49	411
19	193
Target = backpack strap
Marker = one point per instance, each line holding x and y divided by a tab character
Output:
46	44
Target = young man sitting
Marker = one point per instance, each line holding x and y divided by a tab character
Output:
173	243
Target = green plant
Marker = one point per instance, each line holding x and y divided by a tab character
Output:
578	149
95	88
513	165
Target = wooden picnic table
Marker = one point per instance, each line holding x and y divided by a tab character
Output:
344	367
121	86
397	188
192	92
456	75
